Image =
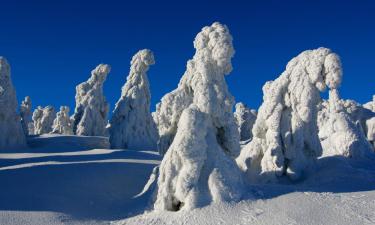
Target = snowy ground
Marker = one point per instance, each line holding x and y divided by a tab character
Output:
70	180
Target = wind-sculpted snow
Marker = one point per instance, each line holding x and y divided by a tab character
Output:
285	134
131	125
245	119
90	114
43	119
340	129
26	116
203	84
195	170
63	124
11	132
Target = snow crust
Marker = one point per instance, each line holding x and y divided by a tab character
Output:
26	115
11	132
63	124
245	119
90	114
43	119
285	134
203	84
131	125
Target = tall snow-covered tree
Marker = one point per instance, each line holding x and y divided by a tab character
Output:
198	167
91	111
26	114
204	84
43	119
131	125
11	133
285	134
245	119
62	123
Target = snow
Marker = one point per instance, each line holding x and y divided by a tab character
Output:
90	114
11	132
285	134
131	125
203	84
26	116
245	119
63	123
43	119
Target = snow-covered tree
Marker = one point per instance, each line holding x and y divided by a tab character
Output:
26	114
370	125
43	119
11	133
90	114
131	125
245	119
285	134
198	167
63	124
204	84
370	105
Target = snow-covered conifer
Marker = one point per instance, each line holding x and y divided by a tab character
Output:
90	114
131	125
63	124
26	114
285	134
203	84
11	133
43	119
245	119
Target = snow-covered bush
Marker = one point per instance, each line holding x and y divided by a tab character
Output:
26	114
11	133
203	84
195	170
339	133
90	114
131	125
43	119
63	124
285	134
245	119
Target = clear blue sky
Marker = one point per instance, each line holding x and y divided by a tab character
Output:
53	45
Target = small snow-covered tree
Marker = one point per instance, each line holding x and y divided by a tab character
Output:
90	114
370	125
204	84
26	114
285	134
131	125
63	124
245	119
198	167
43	119
11	133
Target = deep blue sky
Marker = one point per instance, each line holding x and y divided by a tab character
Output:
53	45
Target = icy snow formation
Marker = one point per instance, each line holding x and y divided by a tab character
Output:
131	125
285	134
203	84
370	105
245	119
338	132
43	119
195	170
370	125
63	124
11	133
26	114
90	114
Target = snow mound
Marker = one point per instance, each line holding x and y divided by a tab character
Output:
63	123
203	84
90	114
195	170
43	119
131	125
11	132
245	119
285	134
